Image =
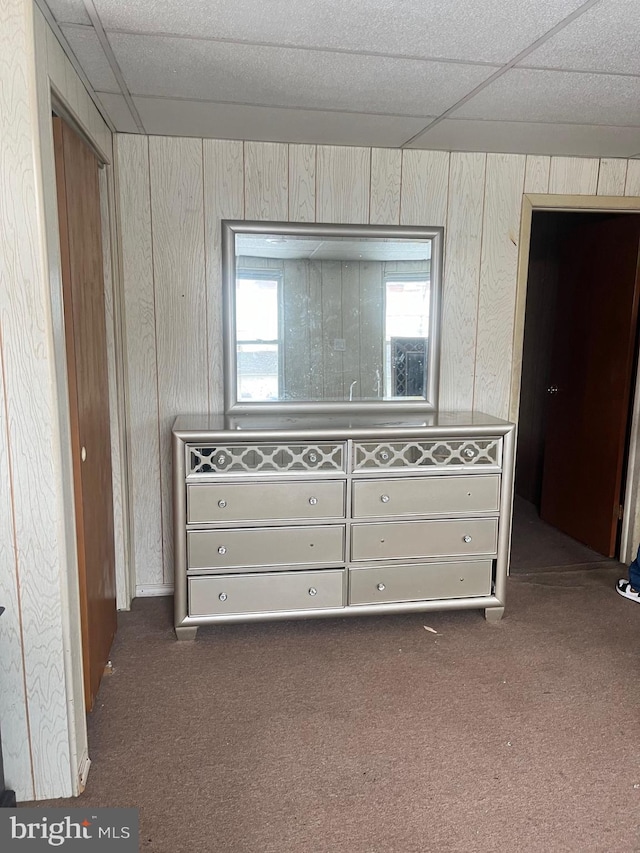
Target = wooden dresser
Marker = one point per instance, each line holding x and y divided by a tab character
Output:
330	515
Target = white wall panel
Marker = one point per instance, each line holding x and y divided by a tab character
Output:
632	184
14	720
573	176
302	183
55	62
612	177
463	241
343	179
177	217
111	317
134	207
72	89
266	180
425	187
504	186
536	178
386	175
223	199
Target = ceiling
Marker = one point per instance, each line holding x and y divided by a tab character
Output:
522	76
331	248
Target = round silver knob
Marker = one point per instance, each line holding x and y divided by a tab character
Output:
223	596
469	453
222	504
466	538
221	459
222	550
313	501
381	587
313	457
384	456
384	499
313	591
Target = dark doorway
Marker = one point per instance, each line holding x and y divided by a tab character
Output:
578	371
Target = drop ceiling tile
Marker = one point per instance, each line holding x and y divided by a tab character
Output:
557	96
85	44
69	11
267	76
228	121
605	38
531	138
116	108
484	30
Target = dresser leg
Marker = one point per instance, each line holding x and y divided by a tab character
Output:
493	614
186	633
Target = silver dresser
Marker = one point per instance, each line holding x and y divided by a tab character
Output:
330	515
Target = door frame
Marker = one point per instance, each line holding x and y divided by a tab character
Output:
630	531
50	100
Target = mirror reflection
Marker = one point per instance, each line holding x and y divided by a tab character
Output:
332	318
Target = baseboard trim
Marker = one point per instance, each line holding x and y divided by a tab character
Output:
148	589
83	771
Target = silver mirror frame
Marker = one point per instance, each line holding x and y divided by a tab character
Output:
304	229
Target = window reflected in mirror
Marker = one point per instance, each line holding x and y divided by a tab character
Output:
258	334
329	316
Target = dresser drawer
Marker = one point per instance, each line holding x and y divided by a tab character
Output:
419	583
269	546
219	502
415	539
231	459
262	593
418	454
426	495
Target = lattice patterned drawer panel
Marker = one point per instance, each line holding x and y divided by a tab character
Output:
264	458
428	454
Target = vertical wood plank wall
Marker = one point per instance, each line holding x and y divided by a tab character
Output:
44	740
476	196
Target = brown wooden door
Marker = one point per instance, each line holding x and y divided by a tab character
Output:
84	314
590	381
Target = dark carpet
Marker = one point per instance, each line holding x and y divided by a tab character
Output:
375	735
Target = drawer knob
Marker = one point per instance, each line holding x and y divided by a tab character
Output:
381	587
313	590
222	550
466	538
221	459
223	596
222	504
313	457
469	453
384	456
384	499
313	501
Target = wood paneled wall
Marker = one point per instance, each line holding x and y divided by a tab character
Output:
41	711
172	269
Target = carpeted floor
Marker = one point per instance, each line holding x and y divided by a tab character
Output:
374	735
538	546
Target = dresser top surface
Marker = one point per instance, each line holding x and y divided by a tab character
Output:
251	426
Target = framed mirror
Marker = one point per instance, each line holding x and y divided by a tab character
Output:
330	317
